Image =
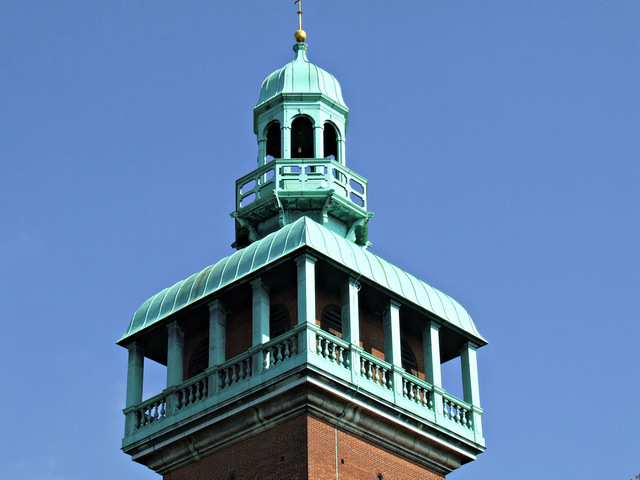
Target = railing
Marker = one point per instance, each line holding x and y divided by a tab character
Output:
199	388
376	370
235	372
327	352
332	348
301	174
417	391
149	412
192	391
279	350
457	411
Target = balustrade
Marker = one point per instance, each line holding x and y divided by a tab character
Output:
281	350
236	372
417	394
376	370
417	391
332	348
193	391
150	411
457	411
301	174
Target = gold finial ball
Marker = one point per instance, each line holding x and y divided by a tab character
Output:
300	36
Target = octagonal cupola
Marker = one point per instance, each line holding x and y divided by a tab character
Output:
300	112
301	123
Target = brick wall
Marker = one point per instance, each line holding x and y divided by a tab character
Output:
275	454
357	459
303	448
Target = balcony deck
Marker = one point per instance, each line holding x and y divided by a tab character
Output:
303	347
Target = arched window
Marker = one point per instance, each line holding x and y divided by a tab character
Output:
330	141
199	359
409	362
274	142
302	138
331	320
279	320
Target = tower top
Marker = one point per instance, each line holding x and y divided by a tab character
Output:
300	34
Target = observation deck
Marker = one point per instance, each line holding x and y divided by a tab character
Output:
303	321
288	189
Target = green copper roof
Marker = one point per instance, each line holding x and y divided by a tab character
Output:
302	233
301	76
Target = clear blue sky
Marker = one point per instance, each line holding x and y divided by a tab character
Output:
501	140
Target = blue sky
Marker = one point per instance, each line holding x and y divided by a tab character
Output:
501	144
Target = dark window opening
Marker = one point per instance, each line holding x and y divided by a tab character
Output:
279	320
302	138
199	359
331	320
274	141
330	141
409	362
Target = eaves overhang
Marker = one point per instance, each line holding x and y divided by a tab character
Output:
302	234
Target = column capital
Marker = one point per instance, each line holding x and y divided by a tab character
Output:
392	305
257	283
215	303
433	324
306	258
175	324
468	345
135	344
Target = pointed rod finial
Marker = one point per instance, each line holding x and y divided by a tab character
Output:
300	34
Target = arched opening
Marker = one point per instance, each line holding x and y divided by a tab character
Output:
199	359
331	320
274	141
302	138
330	141
279	320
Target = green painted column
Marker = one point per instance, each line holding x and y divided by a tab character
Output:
286	140
217	333
351	325
470	384
175	354
260	322
350	312
217	341
262	151
307	301
342	149
392	351
135	375
318	139
432	370
391	325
